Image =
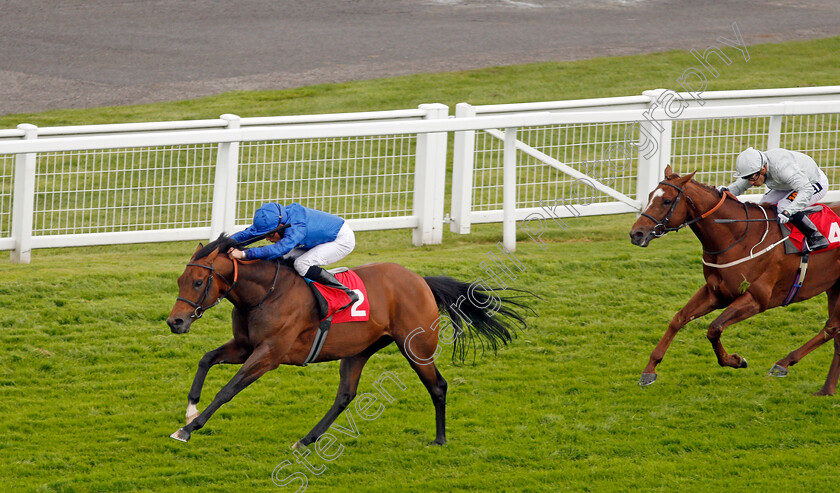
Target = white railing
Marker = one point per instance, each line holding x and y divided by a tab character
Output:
126	183
130	183
604	156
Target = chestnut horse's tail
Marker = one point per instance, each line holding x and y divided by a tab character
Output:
476	309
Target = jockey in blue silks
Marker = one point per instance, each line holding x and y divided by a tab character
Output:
313	238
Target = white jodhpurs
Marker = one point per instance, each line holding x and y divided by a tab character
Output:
325	253
783	198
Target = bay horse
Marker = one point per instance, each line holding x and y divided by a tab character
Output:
275	320
745	266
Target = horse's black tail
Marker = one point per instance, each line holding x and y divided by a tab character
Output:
476	310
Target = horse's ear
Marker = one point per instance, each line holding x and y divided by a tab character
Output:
198	249
212	256
687	178
668	171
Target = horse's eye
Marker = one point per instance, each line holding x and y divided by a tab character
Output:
199	283
667	201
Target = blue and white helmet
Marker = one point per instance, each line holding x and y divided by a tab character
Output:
748	162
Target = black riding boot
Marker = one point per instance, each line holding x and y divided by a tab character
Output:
321	275
814	239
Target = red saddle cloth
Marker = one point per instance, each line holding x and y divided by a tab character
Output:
337	298
827	221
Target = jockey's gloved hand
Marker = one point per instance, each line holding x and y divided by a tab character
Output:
784	217
722	190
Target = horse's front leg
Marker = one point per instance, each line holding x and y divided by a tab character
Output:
744	307
231	352
258	363
703	302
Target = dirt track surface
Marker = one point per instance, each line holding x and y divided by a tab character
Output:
86	53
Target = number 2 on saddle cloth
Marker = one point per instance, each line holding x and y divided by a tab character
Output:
337	298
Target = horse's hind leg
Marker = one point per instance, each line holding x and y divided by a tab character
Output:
780	369
833	372
830	331
421	358
350	371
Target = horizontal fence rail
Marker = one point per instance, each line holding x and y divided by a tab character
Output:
609	154
164	181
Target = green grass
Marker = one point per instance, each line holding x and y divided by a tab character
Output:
92	382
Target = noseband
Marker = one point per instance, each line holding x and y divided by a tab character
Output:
199	309
661	228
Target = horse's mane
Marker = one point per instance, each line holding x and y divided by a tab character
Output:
750	205
223	243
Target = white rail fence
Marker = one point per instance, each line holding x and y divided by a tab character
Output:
130	183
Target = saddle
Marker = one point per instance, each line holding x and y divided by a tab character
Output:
336	307
826	221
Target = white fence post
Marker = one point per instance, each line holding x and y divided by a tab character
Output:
652	165
23	205
774	132
226	184
462	173
430	179
509	191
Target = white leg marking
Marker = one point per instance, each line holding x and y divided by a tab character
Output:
192	412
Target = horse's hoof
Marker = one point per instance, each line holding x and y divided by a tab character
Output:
439	442
181	435
647	379
298	445
743	363
191	417
778	371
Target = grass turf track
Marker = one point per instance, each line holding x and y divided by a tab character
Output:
92	382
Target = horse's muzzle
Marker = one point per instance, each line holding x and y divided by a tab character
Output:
178	325
640	237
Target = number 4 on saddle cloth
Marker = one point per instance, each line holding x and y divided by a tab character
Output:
826	221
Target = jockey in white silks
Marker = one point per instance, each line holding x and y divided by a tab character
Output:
794	181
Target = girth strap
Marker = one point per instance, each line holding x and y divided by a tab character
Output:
799	281
320	338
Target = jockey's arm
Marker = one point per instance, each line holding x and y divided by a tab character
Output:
739	186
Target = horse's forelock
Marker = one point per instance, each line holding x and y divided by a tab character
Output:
223	243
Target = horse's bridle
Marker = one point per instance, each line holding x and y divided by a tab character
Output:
661	228
199	309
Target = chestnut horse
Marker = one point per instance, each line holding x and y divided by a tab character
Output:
275	320
750	271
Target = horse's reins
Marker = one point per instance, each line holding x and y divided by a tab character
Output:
199	309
